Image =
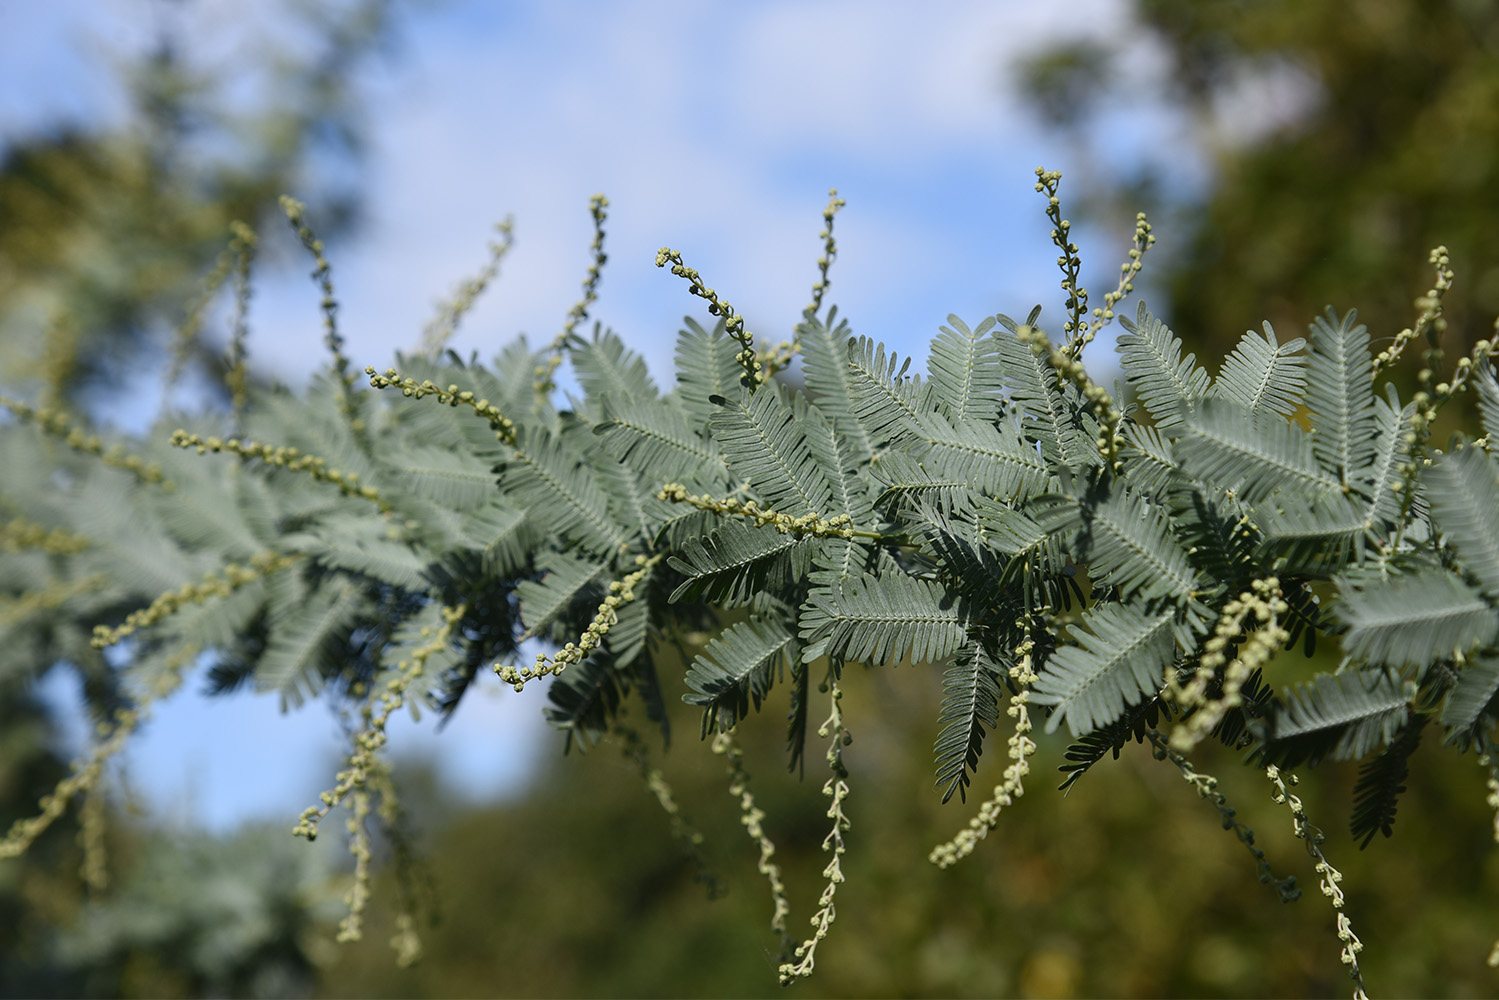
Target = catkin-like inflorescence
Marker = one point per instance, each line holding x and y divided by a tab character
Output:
621	592
503	426
237	372
322	273
1103	315
779	357
1048	183
290	459
1430	315
221	583
546	373
1329	878
1206	786
682	830
59	360
836	790
451	312
371	739
1012	785
1069	369
351	928
1263	604
754	371
752	818
55	423
802	525
54	595
1489	761
240	244
86	773
22	535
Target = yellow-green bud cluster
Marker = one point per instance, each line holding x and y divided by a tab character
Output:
59	358
598	206
752	818
1048	182
351	927
829	253
237	374
197	309
1263	603
1206	786
1012	785
1430	317
503	426
370	740
19	534
322	273
94	869
290	459
836	790
754	372
1103	316
222	583
777	358
58	424
1070	369
621	592
1329	878
682	829
803	525
440	330
86	773
1427	402
1490	765
54	595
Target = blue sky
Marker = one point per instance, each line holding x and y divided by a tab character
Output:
714	128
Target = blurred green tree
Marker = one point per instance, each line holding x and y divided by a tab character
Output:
1342	144
105	234
106	231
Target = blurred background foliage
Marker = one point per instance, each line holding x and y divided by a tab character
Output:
1129	887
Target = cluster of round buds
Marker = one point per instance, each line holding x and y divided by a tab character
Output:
752	818
802	525
440	330
1143	240
1263	603
1012	785
18	534
777	358
87	772
237	377
1430	318
1329	878
836	790
598	206
621	592
58	424
1428	400
1070	369
370	740
829	252
1206	787
322	273
503	426
754	372
1490	765
290	459
1048	182
221	584
54	595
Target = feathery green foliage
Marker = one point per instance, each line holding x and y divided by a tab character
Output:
1003	522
